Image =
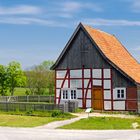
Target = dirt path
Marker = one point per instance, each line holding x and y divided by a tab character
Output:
56	124
83	114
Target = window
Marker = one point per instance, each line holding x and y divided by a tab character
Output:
63	94
68	94
71	94
74	94
120	93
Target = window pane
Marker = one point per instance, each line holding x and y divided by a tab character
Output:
66	94
122	91
118	95
122	95
71	94
63	95
118	91
74	94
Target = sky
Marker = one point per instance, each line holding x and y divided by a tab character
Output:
32	31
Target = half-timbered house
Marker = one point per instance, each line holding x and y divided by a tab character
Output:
97	70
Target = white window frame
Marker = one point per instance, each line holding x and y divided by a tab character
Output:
120	93
71	94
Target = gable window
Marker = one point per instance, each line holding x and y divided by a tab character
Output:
68	94
120	93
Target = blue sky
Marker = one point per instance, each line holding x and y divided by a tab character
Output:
32	31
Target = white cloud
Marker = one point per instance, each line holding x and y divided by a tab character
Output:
30	21
70	8
136	5
111	22
21	9
135	49
74	6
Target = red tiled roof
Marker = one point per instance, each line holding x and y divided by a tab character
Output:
115	52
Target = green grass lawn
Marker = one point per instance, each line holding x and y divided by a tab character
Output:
103	123
31	118
25	121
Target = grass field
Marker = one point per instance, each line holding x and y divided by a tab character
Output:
103	123
25	121
22	92
31	118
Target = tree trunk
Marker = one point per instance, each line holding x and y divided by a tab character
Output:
12	91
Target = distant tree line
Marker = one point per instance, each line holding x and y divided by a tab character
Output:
38	80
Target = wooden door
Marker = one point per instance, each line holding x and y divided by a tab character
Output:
97	98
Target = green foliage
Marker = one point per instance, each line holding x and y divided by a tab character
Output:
3	80
56	113
40	78
16	77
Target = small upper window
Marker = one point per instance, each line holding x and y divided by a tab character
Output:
120	93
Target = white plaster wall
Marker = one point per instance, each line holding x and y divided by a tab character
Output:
88	93
61	74
107	73
79	103
65	84
87	73
57	92
79	93
107	94
96	73
76	83
86	81
58	83
107	84
97	82
56	101
88	103
76	73
107	105
119	105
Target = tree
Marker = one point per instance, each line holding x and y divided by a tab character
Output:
3	80
47	64
40	77
16	76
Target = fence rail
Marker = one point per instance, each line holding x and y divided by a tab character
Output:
16	106
36	98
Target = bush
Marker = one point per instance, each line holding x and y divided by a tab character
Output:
56	113
29	113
